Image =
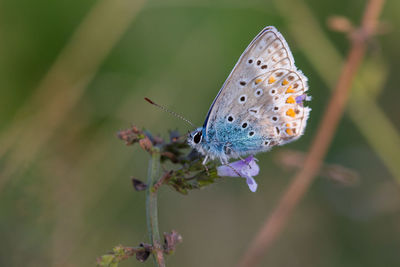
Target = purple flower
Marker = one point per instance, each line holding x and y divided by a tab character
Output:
246	168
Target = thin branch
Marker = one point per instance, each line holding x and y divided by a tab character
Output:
277	220
151	208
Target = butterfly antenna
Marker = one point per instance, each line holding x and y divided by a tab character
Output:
169	111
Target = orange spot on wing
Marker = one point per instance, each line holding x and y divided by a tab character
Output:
285	82
289	131
289	90
257	81
290	113
271	80
290	100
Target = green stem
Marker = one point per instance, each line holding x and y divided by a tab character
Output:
151	208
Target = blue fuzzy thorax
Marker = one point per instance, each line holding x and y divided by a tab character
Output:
227	140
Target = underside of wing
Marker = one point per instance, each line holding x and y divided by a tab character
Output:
268	51
268	111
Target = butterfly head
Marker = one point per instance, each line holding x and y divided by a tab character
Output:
195	138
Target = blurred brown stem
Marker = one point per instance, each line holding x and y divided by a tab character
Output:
296	190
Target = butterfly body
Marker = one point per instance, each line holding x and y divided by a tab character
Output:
259	106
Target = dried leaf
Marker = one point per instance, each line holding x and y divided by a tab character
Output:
130	136
171	156
171	240
163	179
142	255
174	136
138	185
146	144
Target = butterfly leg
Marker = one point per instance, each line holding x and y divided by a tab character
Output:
205	164
205	160
229	150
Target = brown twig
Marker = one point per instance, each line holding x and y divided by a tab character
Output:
292	159
277	220
166	176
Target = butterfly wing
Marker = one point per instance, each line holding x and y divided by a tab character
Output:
260	104
267	51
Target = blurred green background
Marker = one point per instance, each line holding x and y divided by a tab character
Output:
73	73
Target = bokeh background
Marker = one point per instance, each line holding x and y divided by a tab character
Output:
73	73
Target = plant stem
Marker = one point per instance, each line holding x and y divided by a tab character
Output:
151	208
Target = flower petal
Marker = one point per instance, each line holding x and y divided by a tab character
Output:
251	169
246	168
252	184
226	170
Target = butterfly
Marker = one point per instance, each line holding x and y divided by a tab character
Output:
259	106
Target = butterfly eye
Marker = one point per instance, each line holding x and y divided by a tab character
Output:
197	138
